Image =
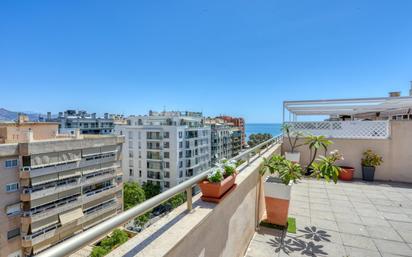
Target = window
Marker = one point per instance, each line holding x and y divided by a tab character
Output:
166	134
167	174
167	165
180	164
180	134
12	187
180	144
130	144
131	172
130	134
10	163
130	154
166	155
140	173
180	173
180	154
167	184
13	233
166	144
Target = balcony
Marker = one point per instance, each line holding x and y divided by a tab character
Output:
98	159
96	194
29	194
29	171
48	210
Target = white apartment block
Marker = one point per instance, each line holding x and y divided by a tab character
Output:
165	148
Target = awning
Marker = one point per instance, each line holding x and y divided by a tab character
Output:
348	106
44	179
71	216
69	174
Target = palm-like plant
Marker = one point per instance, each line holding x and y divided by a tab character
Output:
316	143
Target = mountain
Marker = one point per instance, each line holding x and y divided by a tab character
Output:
12	115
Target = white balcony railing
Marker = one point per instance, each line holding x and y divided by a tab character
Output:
344	129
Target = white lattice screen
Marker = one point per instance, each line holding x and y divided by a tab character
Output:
344	129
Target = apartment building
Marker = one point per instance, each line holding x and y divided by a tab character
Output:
87	123
165	148
236	122
53	186
225	139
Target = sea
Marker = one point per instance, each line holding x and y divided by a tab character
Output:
254	128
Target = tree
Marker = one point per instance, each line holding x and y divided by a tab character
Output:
177	200
151	190
133	194
256	139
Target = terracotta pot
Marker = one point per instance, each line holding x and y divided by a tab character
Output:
216	190
277	198
346	173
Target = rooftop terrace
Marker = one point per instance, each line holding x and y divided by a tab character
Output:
355	219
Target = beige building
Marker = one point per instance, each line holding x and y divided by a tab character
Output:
53	186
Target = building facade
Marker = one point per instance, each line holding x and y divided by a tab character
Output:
226	139
53	186
165	148
71	120
237	122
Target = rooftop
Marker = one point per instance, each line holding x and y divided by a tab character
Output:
347	219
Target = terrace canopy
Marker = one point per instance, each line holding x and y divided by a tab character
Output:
347	107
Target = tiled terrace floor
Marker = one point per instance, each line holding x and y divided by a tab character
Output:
355	219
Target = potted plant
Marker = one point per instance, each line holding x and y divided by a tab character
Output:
370	161
315	143
346	173
326	168
219	181
277	189
293	143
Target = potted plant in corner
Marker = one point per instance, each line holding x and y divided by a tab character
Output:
346	173
219	182
293	143
277	189
370	161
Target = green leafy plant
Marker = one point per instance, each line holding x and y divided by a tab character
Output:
326	168
315	143
287	170
117	238
216	175
371	159
296	135
229	167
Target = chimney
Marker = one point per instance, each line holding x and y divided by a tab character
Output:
93	115
106	115
30	136
65	114
395	94
48	116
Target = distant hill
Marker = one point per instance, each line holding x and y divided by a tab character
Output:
12	115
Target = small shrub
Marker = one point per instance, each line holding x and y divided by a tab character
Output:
371	159
98	251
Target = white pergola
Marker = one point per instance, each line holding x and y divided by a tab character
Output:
347	107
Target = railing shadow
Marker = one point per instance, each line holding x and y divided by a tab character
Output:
307	243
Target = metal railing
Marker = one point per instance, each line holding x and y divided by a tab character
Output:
80	240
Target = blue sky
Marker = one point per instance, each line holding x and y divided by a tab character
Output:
240	58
